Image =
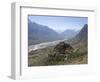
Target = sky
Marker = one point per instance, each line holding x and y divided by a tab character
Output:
60	23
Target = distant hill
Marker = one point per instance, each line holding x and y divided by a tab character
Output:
39	33
68	34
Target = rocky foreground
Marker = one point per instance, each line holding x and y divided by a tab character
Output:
60	54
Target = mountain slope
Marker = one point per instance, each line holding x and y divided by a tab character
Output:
81	39
82	35
39	33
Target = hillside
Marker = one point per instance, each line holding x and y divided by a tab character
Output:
39	33
81	39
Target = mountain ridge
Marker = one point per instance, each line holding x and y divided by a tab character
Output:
39	33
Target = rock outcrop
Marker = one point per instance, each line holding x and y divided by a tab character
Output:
59	52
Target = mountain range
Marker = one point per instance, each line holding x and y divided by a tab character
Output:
40	33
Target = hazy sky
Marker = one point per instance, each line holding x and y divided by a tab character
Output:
60	23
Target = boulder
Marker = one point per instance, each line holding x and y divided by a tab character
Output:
59	52
62	47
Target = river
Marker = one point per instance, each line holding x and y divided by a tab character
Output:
43	45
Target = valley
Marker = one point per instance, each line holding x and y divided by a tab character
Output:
47	47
